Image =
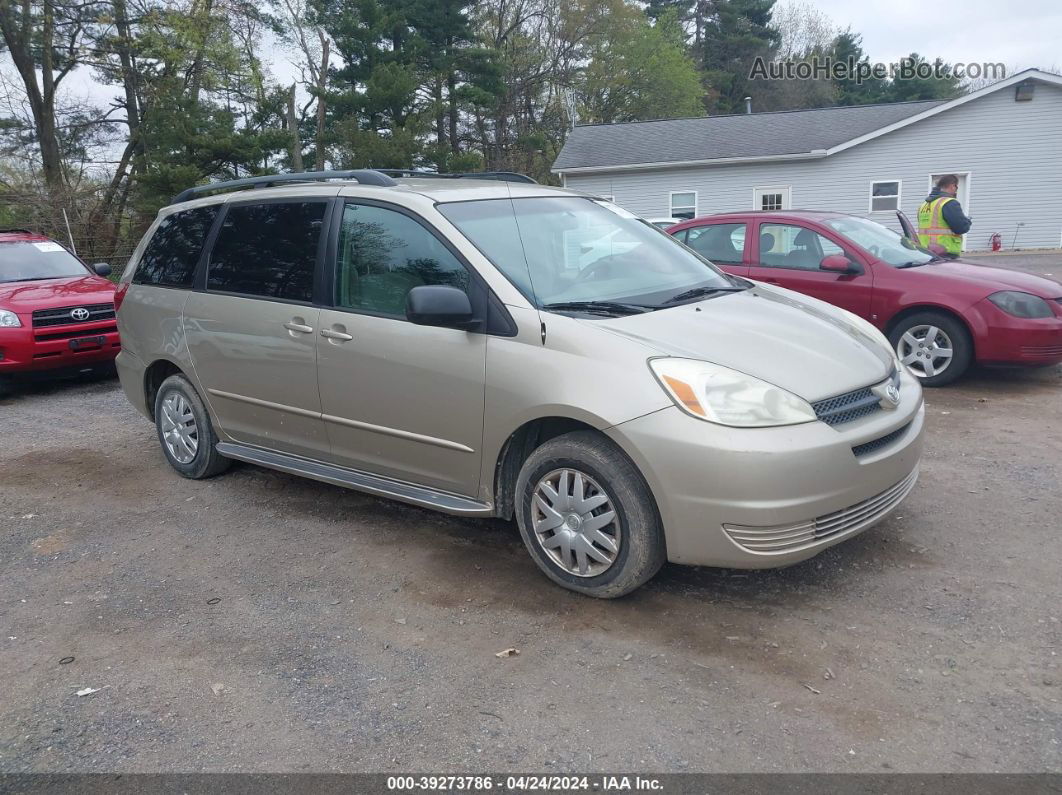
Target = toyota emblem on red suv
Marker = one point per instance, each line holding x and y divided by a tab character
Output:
79	314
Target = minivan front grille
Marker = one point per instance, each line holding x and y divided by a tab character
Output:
852	405
780	539
64	316
845	408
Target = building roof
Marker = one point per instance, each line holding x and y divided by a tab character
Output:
726	137
782	135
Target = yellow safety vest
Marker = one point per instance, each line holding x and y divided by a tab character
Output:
932	228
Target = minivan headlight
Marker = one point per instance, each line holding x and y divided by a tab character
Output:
727	397
1020	304
9	319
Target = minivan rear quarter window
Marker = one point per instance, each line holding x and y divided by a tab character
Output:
267	250
172	254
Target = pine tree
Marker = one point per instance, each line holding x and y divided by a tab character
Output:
736	31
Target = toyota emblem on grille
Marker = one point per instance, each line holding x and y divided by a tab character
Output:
80	313
888	394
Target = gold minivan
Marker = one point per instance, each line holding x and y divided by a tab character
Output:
491	348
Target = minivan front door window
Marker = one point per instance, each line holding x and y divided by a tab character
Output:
383	254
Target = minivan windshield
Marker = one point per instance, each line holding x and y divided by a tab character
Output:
28	261
888	246
570	252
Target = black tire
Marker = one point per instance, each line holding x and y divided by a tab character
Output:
207	461
641	550
962	344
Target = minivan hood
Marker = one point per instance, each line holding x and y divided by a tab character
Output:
24	297
992	279
798	343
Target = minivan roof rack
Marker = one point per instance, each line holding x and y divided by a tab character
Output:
498	176
365	176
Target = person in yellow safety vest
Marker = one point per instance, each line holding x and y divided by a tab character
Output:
941	219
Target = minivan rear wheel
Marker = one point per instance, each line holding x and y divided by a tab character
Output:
185	432
587	517
936	347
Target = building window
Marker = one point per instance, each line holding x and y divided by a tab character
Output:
684	205
771	201
884	196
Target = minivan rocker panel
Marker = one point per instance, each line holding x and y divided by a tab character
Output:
632	405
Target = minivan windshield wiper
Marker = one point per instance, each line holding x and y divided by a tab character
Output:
702	292
599	307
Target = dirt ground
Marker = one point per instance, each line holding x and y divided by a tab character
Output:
259	622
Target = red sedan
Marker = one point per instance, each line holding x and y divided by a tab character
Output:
56	313
940	314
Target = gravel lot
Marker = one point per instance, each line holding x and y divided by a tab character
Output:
259	622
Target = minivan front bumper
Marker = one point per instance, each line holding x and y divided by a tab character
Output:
765	497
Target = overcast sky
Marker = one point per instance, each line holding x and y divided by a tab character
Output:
1020	33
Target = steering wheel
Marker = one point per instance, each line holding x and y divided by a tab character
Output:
590	271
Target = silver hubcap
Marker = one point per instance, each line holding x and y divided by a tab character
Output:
926	350
179	431
575	523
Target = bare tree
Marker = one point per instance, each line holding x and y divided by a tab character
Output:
312	47
45	40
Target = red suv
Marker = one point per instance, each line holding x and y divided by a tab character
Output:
56	313
939	314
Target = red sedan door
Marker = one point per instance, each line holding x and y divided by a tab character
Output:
724	244
788	254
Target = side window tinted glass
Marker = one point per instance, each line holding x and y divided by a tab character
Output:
796	247
267	250
173	251
722	243
383	254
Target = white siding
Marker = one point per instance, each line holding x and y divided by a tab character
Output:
1013	151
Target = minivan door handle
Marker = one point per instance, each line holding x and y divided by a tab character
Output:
302	328
339	336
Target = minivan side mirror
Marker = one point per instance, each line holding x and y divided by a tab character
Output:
439	305
102	269
838	263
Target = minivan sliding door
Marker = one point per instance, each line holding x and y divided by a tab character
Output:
252	326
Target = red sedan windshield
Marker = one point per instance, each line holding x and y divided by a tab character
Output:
25	261
888	246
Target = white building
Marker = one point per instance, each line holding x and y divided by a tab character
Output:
1003	141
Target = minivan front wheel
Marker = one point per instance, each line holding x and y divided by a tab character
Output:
587	517
185	432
